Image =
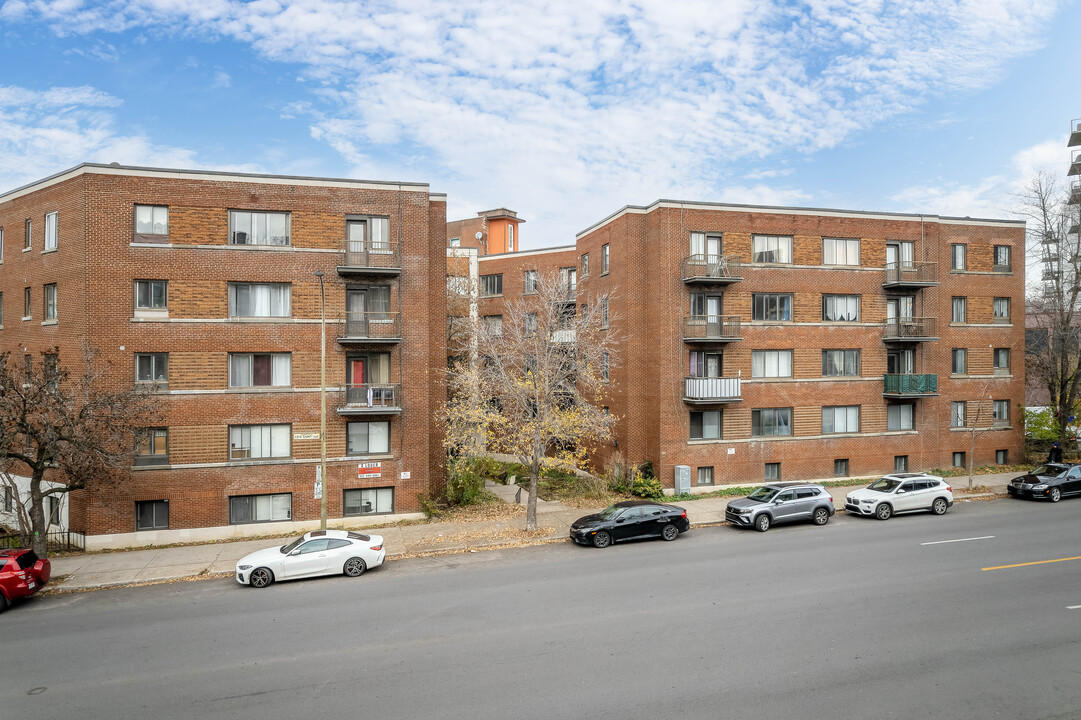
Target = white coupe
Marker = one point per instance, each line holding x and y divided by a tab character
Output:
320	552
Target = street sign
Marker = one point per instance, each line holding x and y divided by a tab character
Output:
306	436
369	470
318	482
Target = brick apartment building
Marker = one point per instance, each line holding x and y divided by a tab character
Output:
203	284
489	233
787	343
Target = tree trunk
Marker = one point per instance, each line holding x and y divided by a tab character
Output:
531	501
39	531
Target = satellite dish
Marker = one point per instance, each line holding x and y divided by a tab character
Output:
479	235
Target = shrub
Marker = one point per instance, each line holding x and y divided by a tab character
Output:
429	506
646	469
647	487
464	487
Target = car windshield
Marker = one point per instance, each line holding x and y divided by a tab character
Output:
1049	470
610	512
884	485
286	549
762	494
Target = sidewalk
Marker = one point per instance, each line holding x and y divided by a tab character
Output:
112	569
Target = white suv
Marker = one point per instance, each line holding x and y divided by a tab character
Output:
901	493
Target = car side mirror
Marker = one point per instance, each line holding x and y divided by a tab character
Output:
901	492
295	552
619	520
778	502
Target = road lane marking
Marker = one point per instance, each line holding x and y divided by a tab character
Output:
1037	562
942	542
1073	607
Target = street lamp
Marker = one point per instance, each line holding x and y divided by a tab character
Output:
322	403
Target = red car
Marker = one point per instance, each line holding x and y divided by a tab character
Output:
22	573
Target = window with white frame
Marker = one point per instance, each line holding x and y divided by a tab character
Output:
457	285
455	242
958	310
958	257
771	248
152	220
258	228
705	475
1001	358
151	295
771	363
706	425
259	369
840	251
1002	258
773	471
770	422
585	265
51	222
771	306
253	442
840	363
491	285
367	438
28	233
841	419
245	509
259	300
899	417
1	244
368	501
1002	309
510	237
530	281
604	259
957	414
151	367
841	308
1001	412
960	361
50	302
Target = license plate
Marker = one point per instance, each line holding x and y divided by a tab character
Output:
31	585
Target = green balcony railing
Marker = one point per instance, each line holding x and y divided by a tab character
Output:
910	384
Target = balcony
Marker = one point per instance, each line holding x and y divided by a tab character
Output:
371	399
1075	164
362	258
709	391
903	386
907	274
711	328
910	330
711	269
371	328
1075	134
1075	193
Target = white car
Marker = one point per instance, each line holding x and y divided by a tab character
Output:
901	493
320	552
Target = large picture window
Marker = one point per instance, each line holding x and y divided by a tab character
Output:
899	417
840	251
771	422
840	363
368	501
368	438
152	220
152	515
841	419
245	509
258	228
491	285
151	295
259	369
706	425
259	300
152	446
772	248
841	308
253	442
771	363
151	367
771	306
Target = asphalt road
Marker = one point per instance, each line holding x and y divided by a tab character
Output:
858	619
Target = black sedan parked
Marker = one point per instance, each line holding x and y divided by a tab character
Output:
1052	481
630	520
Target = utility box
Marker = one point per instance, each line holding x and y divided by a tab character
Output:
683	479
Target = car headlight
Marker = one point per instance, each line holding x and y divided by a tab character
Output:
867	501
243	567
1041	486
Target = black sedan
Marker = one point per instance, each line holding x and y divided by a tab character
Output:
1052	481
630	520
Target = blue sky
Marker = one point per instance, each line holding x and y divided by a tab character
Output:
560	109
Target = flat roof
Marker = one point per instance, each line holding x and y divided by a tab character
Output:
523	253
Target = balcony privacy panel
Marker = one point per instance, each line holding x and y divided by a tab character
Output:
914	384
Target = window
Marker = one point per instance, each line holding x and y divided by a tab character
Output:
960	362
510	237
258	228
1000	413
604	313
899	417
840	363
773	471
771	306
771	248
493	325
958	310
456	242
1002	310
50	365
367	438
530	324
959	459
1	309
705	364
152	223
958	255
585	263
706	425
1002	457
152	515
568	279
491	285
367	235
152	446
260	508
605	366
841	419
840	468
841	308
705	475
604	259
252	442
457	285
1002	258
151	367
259	369
771	422
374	501
151	295
50	302
771	363
530	281
9	498
840	251
26	303
1	244
957	414
51	222
259	300
1001	358
900	463
28	233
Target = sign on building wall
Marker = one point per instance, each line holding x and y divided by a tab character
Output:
369	470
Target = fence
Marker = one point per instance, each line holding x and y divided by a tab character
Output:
59	540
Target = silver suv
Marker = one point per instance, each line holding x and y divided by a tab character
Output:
781	502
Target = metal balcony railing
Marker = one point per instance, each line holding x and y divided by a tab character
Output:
910	329
376	327
711	328
371	398
369	257
703	390
711	269
910	384
911	274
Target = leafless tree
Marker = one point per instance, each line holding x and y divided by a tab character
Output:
65	433
535	389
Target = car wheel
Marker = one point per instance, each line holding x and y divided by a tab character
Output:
884	511
762	523
821	516
4	602
939	506
670	532
355	567
261	577
602	539
1054	495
